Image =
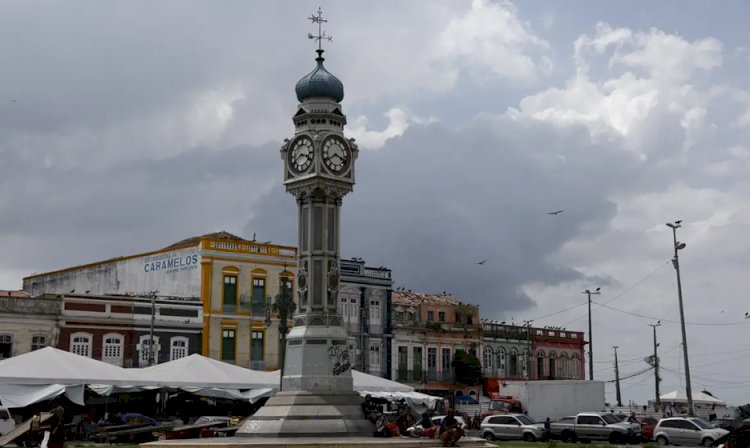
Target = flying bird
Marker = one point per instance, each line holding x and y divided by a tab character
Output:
555	213
482	262
747	315
678	222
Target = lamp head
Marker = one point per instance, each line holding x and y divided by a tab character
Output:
680	245
675	225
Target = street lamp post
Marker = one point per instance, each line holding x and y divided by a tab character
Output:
284	307
589	293
676	263
617	378
657	403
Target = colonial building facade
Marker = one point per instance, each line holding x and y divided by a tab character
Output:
365	304
558	354
129	331
506	351
428	330
27	324
232	278
235	281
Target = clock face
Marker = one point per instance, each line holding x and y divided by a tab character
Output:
301	155
335	154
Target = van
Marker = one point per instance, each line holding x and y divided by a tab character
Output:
7	424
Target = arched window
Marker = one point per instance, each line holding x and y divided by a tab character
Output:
112	349
38	341
178	347
488	364
80	344
513	363
501	362
525	363
564	368
540	365
576	367
552	365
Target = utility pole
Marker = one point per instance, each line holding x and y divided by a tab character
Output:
151	337
597	291
657	403
527	324
617	378
676	263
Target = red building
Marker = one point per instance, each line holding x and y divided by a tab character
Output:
558	354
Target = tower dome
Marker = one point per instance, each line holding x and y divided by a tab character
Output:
319	83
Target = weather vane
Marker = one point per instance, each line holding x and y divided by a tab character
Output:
321	34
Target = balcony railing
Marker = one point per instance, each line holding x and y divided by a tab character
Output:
424	376
257	365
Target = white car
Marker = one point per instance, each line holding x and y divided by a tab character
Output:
7	424
511	427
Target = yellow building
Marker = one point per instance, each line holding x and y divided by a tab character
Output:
233	277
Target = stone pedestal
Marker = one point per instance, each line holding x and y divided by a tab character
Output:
308	414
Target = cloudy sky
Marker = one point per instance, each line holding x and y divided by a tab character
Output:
126	126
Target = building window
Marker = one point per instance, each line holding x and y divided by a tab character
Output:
375	358
446	359
375	312
501	363
178	347
80	344
432	363
488	361
112	349
38	341
227	345
6	346
552	365
147	355
430	316
417	360
230	293
540	365
563	372
399	315
441	316
256	346
575	367
470	319
259	295
513	363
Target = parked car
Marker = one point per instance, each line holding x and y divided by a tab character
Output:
597	426
7	424
647	427
686	431
511	427
557	427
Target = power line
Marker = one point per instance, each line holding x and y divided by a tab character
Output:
717	324
626	290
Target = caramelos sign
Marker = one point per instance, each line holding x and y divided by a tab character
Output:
171	262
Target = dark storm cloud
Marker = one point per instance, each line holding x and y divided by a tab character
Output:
434	202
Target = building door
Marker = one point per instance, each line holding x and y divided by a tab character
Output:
418	368
403	363
432	363
256	351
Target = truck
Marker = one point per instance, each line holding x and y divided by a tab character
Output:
588	426
540	399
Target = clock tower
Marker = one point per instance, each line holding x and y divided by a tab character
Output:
316	396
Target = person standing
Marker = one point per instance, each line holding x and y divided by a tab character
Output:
57	431
547	430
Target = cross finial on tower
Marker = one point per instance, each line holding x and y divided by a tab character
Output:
321	36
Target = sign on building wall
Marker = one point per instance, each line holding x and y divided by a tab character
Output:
174	273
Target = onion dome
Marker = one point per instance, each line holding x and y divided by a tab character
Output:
319	83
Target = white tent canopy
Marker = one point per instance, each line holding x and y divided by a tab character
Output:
49	372
196	371
52	366
681	397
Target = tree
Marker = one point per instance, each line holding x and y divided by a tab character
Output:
468	368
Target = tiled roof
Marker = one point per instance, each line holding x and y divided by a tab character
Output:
414	298
223	235
18	294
